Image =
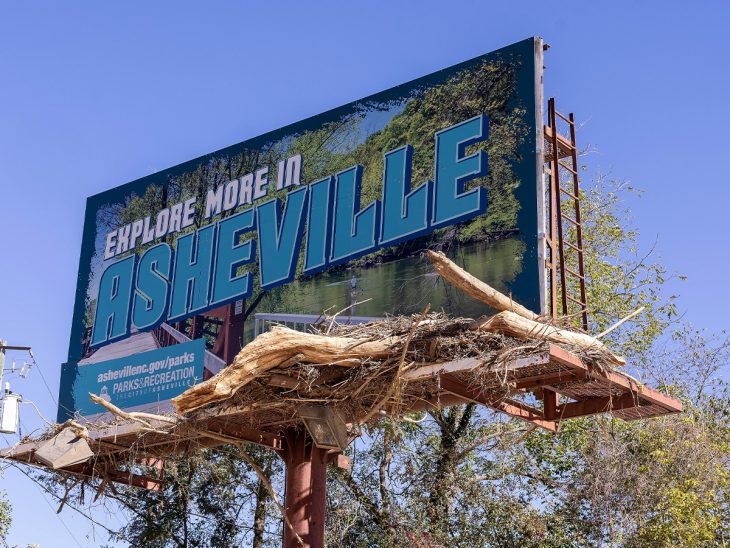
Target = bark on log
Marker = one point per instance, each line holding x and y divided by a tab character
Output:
476	288
270	350
509	323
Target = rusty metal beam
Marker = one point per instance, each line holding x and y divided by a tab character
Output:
437	401
117	476
550	404
621	381
537	381
595	406
511	407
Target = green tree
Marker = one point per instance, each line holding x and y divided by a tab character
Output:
5	518
208	500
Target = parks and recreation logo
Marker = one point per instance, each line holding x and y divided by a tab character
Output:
207	268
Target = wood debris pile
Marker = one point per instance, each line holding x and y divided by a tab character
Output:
367	370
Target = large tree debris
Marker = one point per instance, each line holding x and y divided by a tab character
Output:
509	323
476	288
512	362
514	319
274	348
359	366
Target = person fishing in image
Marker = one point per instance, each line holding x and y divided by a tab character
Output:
353	293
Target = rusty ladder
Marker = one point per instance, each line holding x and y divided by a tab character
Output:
560	148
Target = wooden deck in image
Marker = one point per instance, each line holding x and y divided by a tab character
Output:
139	342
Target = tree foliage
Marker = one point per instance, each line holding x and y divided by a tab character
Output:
5	518
462	477
210	499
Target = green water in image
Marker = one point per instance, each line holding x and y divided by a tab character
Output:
404	286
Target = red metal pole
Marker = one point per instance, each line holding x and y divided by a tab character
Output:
318	507
306	490
233	332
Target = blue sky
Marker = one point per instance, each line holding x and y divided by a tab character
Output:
93	95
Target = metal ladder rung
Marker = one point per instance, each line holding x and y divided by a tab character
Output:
550	133
570	219
566	166
564	155
576	301
568	193
564	118
578	249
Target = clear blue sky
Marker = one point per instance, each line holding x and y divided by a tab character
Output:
96	94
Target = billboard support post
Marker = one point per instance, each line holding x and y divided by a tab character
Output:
306	490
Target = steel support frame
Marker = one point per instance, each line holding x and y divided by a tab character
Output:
306	490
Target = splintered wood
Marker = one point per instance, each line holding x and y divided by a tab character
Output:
276	348
476	288
509	323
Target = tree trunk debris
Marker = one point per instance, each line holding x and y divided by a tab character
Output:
476	288
283	347
509	323
272	349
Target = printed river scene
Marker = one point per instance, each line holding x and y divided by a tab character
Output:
403	286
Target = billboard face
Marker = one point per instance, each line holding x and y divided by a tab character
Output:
182	268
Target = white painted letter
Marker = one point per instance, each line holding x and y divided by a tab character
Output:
230	195
213	202
246	186
259	186
110	241
188	212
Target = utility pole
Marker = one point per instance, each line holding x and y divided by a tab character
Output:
9	411
5	346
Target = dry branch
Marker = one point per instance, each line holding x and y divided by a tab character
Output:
270	489
401	364
621	322
509	323
270	350
142	418
476	288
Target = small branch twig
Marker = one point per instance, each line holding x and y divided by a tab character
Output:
621	321
332	321
141	418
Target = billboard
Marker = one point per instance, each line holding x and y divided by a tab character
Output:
181	268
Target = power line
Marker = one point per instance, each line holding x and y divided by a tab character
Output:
48	388
58	516
54	495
